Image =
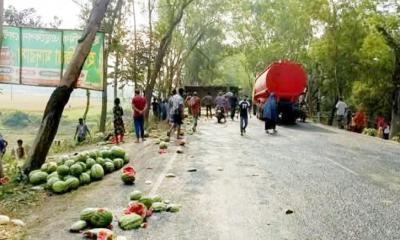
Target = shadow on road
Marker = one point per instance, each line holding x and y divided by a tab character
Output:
308	128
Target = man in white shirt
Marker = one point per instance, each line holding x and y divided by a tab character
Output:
341	108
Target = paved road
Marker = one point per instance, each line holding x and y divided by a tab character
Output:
340	186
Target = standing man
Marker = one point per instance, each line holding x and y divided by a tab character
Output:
233	101
340	112
195	106
244	107
139	106
177	111
156	108
208	102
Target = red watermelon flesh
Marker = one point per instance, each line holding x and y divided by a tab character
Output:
136	207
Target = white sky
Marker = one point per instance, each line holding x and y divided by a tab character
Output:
66	10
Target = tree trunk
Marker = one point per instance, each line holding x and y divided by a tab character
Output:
135	45
1	45
116	67
60	96
162	50
103	116
395	122
87	104
149	60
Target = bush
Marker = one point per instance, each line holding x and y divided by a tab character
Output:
18	119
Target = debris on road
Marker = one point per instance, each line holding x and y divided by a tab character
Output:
148	182
170	175
289	212
4	219
179	150
192	170
18	222
220	169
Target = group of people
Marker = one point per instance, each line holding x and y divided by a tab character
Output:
357	122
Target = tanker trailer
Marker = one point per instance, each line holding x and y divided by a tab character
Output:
287	80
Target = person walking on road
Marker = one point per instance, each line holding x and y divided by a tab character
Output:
139	106
220	105
341	108
233	101
177	111
270	114
119	128
208	102
169	107
244	107
195	106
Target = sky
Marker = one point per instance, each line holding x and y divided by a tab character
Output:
66	10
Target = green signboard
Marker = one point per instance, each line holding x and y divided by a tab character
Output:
39	57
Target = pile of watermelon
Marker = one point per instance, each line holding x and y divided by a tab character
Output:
71	172
142	207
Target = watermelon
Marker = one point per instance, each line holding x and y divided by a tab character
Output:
129	169
130	221
59	187
51	181
128	179
163	145
126	159
135	195
109	167
159	207
156	198
118	163
90	162
87	213
173	207
106	154
51	175
33	172
84	178
38	178
101	218
63	170
82	156
97	172
146	201
136	207
69	163
76	169
65	178
101	161
117	152
78	226
51	167
73	183
83	165
92	154
43	168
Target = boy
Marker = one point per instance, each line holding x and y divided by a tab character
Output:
20	151
81	131
244	107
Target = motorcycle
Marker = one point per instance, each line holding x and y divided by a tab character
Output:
220	114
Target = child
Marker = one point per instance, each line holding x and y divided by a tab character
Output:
119	128
81	131
386	132
20	151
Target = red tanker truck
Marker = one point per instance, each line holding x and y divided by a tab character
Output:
288	81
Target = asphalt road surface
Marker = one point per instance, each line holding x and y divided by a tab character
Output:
339	185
